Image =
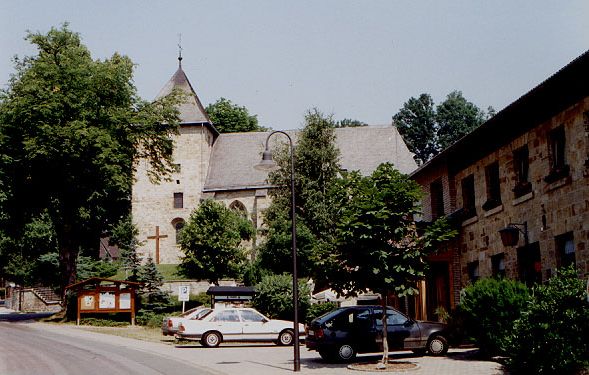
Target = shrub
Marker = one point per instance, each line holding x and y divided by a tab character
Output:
551	336
149	318
318	309
98	322
274	297
488	310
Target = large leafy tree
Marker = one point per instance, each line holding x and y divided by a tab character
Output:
232	118
349	123
427	130
73	129
456	117
416	121
316	169
212	242
378	246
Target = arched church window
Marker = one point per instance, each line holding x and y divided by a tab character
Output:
238	207
178	224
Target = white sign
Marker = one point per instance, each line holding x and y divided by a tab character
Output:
106	300
183	293
125	301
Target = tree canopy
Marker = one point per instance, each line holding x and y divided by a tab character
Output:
211	241
427	130
72	131
349	123
232	118
379	246
316	168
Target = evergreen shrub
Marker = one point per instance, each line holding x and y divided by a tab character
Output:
551	337
488	310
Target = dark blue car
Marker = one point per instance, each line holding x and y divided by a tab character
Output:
342	333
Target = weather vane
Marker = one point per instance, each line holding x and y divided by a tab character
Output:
180	49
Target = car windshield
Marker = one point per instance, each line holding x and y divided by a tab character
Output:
188	312
329	315
201	314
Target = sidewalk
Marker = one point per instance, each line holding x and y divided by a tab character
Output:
4	310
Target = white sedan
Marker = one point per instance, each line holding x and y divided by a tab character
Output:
170	323
237	324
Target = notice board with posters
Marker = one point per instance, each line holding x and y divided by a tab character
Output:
97	295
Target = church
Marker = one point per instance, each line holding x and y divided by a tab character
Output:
210	165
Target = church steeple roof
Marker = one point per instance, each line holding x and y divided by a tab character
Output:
191	110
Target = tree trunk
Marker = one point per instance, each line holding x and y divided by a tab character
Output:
68	255
385	341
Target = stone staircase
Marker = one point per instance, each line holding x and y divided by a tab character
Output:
47	294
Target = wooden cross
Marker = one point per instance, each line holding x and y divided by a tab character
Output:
157	243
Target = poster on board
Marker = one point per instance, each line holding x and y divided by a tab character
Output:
107	300
88	303
125	301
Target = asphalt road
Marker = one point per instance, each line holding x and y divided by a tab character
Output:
50	349
25	350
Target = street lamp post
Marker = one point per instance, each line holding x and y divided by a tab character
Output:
266	164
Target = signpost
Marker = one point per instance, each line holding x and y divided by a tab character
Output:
183	295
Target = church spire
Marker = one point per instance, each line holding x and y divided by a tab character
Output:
179	51
191	109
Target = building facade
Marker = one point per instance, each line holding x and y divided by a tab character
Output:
526	169
217	166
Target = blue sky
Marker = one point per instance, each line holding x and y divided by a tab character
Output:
353	59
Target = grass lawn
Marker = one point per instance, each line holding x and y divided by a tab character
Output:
134	332
168	271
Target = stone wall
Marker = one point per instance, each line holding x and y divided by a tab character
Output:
153	204
550	209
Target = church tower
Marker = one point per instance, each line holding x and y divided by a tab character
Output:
160	210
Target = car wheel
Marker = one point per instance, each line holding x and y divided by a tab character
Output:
286	337
211	339
345	352
437	345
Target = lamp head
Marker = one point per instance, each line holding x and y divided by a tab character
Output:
509	235
267	163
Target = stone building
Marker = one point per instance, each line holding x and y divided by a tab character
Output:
526	168
221	167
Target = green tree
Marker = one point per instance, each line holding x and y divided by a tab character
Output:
456	117
349	123
212	242
416	122
73	129
154	299
274	297
124	236
428	130
378	245
231	118
316	169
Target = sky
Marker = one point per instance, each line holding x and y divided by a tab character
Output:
359	60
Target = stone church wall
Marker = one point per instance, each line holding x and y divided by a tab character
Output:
153	204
